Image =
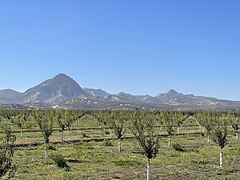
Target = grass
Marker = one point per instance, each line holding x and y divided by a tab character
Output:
93	160
100	160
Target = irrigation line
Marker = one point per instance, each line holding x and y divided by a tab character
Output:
83	128
30	144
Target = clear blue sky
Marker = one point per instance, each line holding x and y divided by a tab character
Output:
135	46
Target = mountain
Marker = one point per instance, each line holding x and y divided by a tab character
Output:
63	92
96	92
189	101
169	95
10	96
138	98
128	97
54	91
168	100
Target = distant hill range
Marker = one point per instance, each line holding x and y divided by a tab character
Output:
63	92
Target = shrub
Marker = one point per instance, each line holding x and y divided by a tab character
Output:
107	132
84	135
60	161
107	143
178	147
51	146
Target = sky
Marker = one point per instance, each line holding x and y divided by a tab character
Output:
137	46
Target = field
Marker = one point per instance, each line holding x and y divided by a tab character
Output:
90	152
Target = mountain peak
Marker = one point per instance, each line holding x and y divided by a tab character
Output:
171	94
61	75
55	90
172	91
122	93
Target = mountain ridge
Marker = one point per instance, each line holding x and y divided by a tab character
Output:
64	92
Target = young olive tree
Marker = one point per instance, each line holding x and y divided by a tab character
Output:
219	136
159	118
7	154
179	118
61	119
45	121
235	123
103	117
20	120
8	116
73	116
207	120
96	115
143	130
200	117
168	118
117	122
68	120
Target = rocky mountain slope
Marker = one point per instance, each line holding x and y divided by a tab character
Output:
54	91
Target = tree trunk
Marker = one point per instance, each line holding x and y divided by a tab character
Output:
208	140
148	170
21	133
99	125
46	140
178	131
46	151
62	137
237	136
169	141
221	158
119	146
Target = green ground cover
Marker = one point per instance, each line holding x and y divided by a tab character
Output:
100	160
